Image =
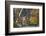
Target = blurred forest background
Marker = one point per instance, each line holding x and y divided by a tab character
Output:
24	17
